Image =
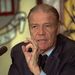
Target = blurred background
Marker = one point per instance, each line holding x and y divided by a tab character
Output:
14	25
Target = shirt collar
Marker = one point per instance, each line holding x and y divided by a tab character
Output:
49	51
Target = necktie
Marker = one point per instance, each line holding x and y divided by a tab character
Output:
42	61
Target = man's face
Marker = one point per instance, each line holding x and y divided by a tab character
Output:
43	29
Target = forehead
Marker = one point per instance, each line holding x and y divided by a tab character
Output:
40	12
40	15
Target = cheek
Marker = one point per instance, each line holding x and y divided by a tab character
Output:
50	40
50	37
34	34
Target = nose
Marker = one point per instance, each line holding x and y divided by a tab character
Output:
42	31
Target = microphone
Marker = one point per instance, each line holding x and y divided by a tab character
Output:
30	49
3	49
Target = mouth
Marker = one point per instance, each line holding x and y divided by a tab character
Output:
42	40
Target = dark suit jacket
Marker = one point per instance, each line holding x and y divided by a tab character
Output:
60	62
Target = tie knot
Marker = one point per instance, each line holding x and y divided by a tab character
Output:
44	57
42	60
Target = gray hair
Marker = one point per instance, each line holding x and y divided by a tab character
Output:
45	8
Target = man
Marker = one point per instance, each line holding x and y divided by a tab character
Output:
45	39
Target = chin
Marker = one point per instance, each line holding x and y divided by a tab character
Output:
43	49
43	46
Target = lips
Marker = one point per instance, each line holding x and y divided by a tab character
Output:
42	40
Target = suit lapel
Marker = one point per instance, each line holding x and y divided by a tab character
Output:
54	60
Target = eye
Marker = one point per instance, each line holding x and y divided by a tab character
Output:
48	25
34	26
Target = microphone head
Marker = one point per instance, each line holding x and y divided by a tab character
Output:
30	49
3	49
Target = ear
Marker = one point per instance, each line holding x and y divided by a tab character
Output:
60	28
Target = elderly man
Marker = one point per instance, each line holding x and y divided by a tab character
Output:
46	42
